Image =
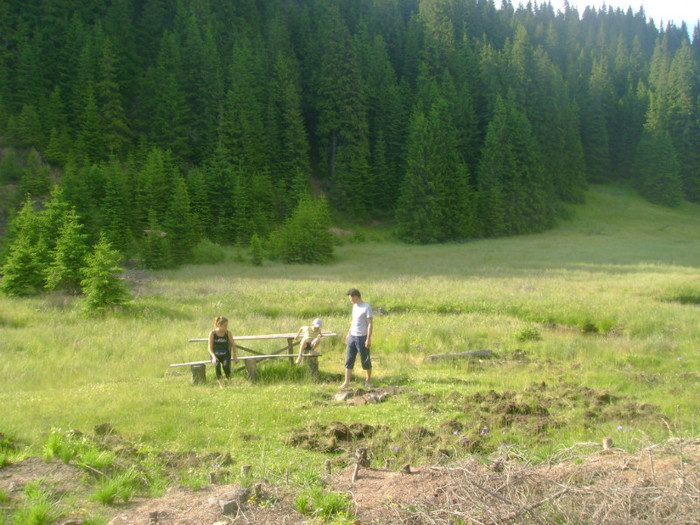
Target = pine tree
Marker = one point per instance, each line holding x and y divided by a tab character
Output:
256	251
116	207
22	273
594	132
168	112
23	254
68	257
657	167
155	253
436	203
36	177
178	224
684	118
114	128
342	119
101	284
305	237
292	162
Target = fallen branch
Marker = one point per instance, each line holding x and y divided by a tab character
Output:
474	353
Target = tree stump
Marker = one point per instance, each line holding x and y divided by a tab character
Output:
199	374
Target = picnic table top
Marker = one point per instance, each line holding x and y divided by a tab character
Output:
264	336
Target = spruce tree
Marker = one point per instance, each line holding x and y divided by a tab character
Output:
155	254
657	168
23	256
101	284
178	224
68	257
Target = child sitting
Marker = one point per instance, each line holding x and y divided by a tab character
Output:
310	337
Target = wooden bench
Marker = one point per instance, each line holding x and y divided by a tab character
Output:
250	361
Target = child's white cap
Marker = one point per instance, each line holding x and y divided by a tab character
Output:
316	323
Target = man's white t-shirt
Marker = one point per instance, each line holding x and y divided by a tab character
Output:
360	314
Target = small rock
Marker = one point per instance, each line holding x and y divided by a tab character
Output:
229	507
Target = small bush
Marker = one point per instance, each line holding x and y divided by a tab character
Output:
208	252
38	510
59	446
327	505
121	486
529	333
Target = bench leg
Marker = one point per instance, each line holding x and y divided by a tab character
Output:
290	349
199	374
313	366
252	369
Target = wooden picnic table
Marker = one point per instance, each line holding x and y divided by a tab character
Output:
250	361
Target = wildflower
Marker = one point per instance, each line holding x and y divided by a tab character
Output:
627	430
619	427
484	431
456	432
279	450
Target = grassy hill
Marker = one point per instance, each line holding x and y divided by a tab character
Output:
592	327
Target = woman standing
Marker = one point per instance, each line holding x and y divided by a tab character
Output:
221	347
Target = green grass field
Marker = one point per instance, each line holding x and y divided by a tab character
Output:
593	327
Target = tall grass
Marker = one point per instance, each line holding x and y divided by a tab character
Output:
607	300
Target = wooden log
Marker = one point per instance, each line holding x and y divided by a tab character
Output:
474	353
199	374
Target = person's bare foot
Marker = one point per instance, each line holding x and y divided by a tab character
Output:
344	385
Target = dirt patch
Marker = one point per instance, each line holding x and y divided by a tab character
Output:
655	485
659	484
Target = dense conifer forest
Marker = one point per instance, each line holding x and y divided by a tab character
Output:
152	125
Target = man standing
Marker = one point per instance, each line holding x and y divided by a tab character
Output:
359	337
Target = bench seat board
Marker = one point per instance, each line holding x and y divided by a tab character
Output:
243	358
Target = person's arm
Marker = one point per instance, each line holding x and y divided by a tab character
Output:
299	333
211	347
370	326
234	353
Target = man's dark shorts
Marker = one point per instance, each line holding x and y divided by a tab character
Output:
356	344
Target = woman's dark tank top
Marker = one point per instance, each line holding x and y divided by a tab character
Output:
221	344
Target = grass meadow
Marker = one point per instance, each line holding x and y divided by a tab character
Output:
593	325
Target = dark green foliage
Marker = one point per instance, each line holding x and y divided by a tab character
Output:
10	168
657	167
436	202
514	195
155	253
102	286
256	251
305	236
179	225
261	104
36	176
